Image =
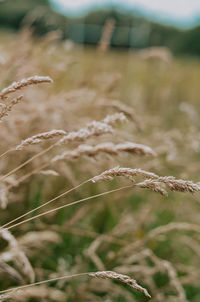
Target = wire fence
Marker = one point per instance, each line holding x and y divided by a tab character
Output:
123	36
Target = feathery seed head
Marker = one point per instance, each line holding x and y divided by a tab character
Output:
125	172
114	118
179	185
23	83
92	129
108	148
122	278
38	138
153	185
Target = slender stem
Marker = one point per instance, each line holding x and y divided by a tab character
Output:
43	282
45	204
68	205
28	161
6	152
26	176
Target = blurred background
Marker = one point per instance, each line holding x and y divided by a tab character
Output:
138	23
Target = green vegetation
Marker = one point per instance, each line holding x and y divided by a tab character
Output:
130	31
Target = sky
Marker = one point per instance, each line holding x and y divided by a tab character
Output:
177	12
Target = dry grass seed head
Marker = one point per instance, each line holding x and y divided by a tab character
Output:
125	172
122	278
108	148
176	185
153	185
179	185
38	138
92	129
15	86
114	118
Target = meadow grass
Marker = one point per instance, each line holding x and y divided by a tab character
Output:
88	139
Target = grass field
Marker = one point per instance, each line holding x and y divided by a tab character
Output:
135	231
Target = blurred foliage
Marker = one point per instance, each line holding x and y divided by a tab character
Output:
130	30
36	13
12	12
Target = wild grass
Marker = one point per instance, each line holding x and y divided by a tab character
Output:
84	150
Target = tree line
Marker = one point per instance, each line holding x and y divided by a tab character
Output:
130	30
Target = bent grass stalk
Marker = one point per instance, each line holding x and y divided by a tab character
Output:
111	275
66	205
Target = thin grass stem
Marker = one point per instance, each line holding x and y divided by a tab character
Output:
46	203
67	205
42	282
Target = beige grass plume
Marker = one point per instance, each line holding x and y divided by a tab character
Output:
122	278
15	86
38	138
125	172
114	118
94	128
108	148
171	183
179	185
153	185
134	148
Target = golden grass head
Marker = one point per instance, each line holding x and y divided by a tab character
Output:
107	148
38	138
15	86
121	278
125	172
